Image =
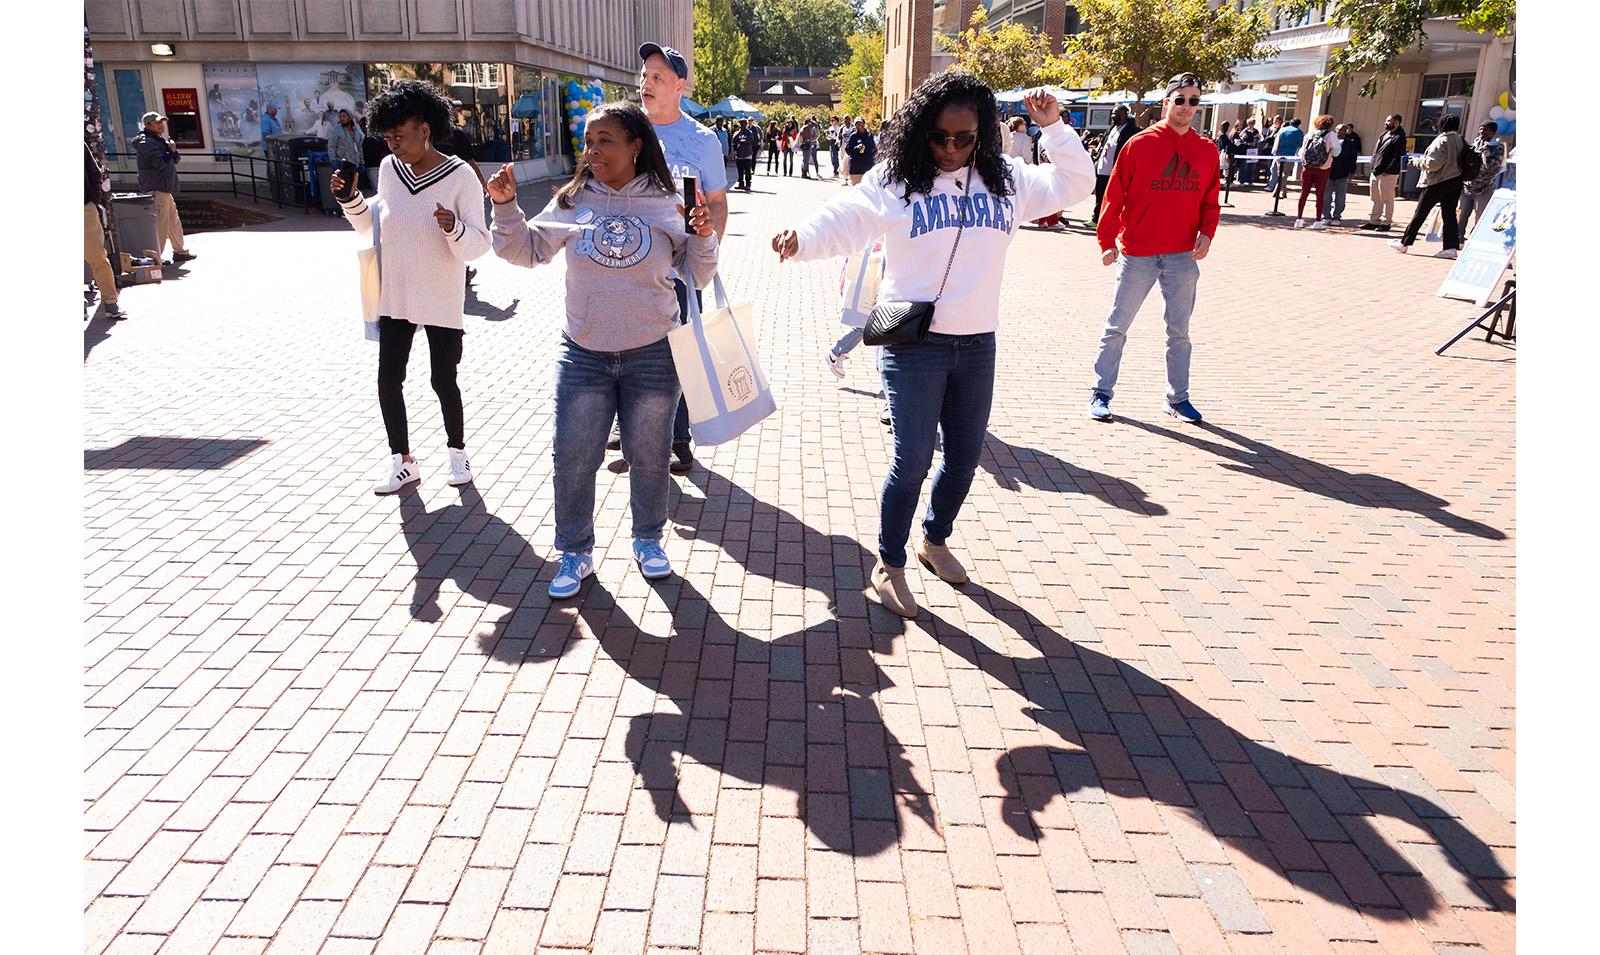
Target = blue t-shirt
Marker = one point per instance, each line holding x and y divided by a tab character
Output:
693	150
1289	140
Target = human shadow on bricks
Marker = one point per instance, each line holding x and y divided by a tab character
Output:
485	557
1258	458
1013	465
1138	738
163	452
796	713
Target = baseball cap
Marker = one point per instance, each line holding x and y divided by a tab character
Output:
1182	80
272	106
674	59
151	117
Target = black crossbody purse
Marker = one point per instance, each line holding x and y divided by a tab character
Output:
901	323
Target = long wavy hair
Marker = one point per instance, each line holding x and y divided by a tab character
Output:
636	126
909	159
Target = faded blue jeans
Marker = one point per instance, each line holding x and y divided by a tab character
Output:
1337	191
638	386
1178	274
942	382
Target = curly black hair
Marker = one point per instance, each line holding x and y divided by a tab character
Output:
411	99
910	156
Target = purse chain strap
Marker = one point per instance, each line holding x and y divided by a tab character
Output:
961	223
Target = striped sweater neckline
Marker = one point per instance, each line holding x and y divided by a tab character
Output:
415	183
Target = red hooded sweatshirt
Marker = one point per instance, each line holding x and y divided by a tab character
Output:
1162	193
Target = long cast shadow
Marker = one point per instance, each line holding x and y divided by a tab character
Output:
1013	465
1283	812
170	453
1262	460
485	557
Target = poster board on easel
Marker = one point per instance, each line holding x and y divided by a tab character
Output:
1488	252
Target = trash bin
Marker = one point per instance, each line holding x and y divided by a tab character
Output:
1410	179
135	215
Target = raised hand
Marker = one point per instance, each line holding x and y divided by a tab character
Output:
1042	106
503	187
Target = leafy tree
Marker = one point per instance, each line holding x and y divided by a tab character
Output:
1381	30
1006	56
796	32
721	52
869	15
860	78
1136	45
783	112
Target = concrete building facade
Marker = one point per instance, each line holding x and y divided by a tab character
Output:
1452	72
212	65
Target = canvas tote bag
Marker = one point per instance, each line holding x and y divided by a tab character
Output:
715	355
858	291
371	283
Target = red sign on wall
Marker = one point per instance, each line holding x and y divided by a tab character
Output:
183	116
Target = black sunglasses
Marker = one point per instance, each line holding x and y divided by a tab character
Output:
958	140
1192	100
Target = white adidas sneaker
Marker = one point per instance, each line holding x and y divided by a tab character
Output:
400	473
460	468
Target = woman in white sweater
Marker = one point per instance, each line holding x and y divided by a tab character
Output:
947	200
620	224
427	223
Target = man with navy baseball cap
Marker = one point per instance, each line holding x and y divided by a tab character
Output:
691	150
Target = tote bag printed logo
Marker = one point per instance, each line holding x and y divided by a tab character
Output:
741	387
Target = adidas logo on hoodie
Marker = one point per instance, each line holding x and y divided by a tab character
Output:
1178	176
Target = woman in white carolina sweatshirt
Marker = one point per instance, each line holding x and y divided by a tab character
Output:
944	170
622	227
429	219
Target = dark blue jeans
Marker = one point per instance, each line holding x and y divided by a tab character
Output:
942	382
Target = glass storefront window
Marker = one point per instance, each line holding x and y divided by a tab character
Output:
1443	94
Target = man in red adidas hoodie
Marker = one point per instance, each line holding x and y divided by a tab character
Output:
1158	218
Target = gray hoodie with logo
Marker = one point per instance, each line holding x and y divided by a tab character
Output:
622	246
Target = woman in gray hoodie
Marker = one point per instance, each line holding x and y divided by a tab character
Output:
621	225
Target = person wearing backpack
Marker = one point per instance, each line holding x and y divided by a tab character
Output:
1475	194
1316	154
1441	186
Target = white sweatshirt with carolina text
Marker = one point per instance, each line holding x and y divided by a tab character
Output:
918	234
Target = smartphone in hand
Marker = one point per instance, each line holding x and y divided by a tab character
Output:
688	201
351	174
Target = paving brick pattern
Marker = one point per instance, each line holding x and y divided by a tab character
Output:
1241	687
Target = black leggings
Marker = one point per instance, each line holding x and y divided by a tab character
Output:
444	354
1446	195
772	159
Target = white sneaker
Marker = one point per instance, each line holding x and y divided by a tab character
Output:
1398	246
1445	254
836	363
1299	223
400	473
1318	226
460	468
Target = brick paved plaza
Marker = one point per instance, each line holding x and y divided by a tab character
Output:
1239	687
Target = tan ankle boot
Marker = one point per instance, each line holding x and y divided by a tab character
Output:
893	591
937	558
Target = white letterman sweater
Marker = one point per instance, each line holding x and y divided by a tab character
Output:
918	234
422	279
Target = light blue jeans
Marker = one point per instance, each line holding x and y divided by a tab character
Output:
944	382
639	387
1178	274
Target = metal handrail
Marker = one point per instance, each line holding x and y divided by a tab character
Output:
242	175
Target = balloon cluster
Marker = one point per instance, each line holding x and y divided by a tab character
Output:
1504	116
581	98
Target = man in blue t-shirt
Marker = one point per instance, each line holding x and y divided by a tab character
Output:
691	150
1287	143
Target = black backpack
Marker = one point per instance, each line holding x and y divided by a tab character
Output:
1471	162
1316	152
